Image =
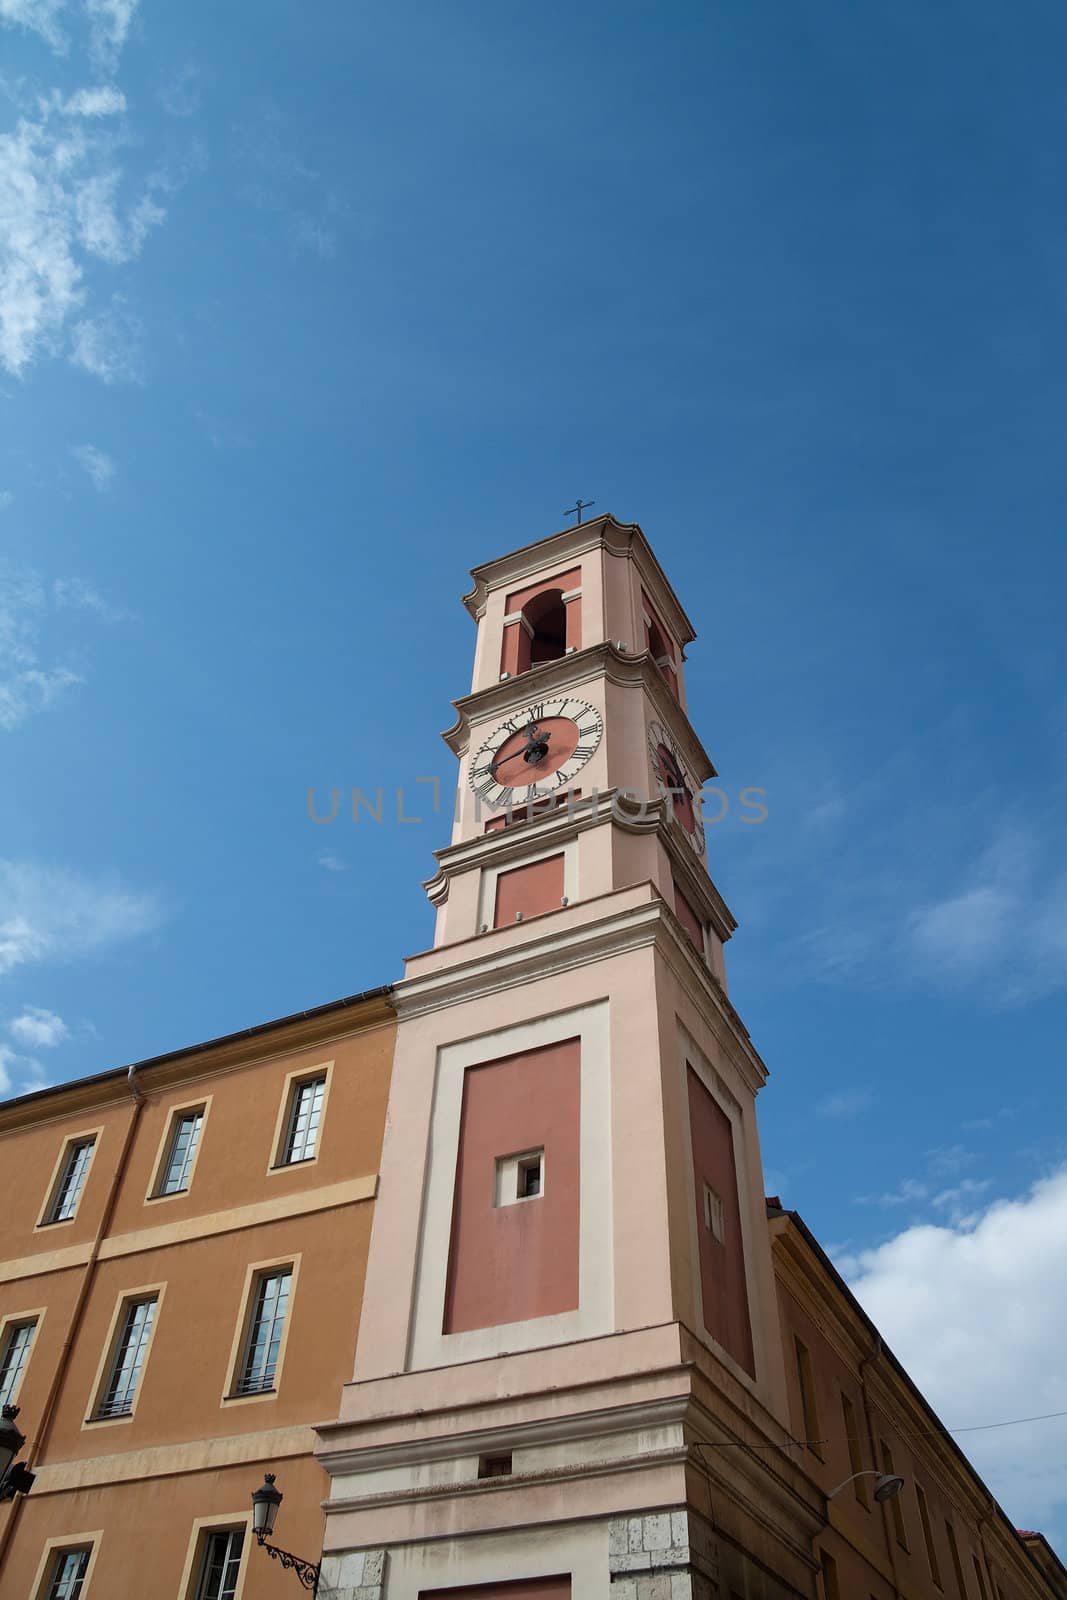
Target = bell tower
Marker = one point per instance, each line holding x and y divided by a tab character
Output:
568	1374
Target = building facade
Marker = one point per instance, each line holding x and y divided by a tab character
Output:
183	1248
480	1266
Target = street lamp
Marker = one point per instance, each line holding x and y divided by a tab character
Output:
887	1487
15	1476
265	1502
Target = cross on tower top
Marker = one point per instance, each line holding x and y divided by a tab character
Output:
578	507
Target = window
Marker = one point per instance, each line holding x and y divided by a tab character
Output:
305	1113
714	1216
529	1177
181	1152
16	1354
955	1554
808	1404
220	1565
68	1575
546	615
830	1585
894	1504
855	1455
520	1177
982	1590
928	1536
68	1187
495	1466
269	1305
116	1399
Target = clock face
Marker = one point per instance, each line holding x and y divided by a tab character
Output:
674	780
537	751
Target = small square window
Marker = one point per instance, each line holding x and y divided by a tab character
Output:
520	1177
713	1214
495	1466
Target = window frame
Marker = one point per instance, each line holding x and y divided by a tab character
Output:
809	1398
105	1367
294	1082
8	1326
255	1273
854	1446
73	1141
896	1510
167	1141
200	1532
65	1544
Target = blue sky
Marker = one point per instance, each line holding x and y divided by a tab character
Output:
300	320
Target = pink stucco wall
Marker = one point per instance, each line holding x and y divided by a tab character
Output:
531	889
724	1288
511	1262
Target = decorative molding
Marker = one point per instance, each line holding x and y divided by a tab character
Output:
517	617
260	1044
570	672
169	1460
303	1203
494	969
625	539
577	1427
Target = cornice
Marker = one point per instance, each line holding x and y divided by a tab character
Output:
578	1426
803	1271
603	532
259	1043
710	998
493	969
605	660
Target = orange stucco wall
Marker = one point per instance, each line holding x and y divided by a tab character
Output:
722	1264
511	1262
140	1484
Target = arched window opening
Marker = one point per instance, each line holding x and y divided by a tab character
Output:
547	616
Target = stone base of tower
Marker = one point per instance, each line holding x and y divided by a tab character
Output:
668	1554
641	1468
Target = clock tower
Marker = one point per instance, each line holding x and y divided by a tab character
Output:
568	1378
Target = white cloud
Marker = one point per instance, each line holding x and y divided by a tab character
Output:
97	463
74	594
846	1103
333	863
52	914
6	499
29	682
40	17
181	96
109	24
909	1192
38	1028
108	345
975	1311
102	102
67	202
27	685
